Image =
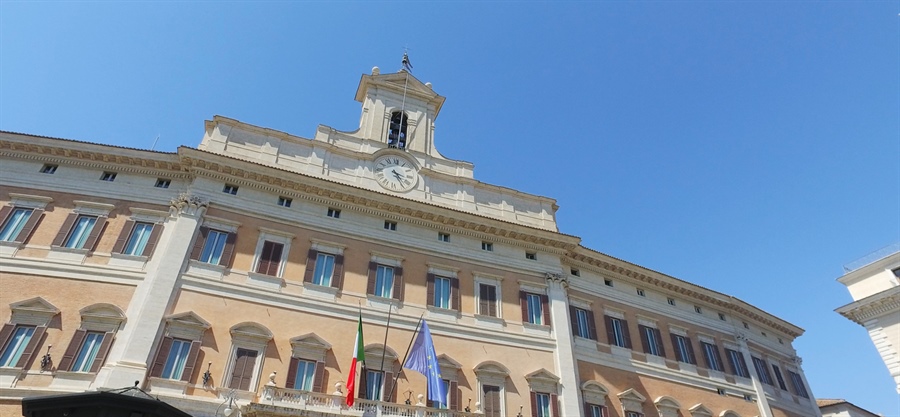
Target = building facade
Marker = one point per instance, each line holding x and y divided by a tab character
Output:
231	276
874	284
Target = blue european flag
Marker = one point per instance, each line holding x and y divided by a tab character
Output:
423	359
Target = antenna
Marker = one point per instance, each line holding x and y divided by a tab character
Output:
154	142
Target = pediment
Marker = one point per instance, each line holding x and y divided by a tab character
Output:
542	375
631	395
398	82
700	410
594	387
189	319
729	413
491	368
447	362
252	331
311	340
102	311
34	305
666	402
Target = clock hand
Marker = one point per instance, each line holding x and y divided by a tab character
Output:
397	175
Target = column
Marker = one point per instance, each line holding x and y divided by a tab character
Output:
152	299
566	367
761	401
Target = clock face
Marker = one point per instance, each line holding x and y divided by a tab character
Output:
395	173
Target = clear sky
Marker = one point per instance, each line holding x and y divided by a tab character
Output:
748	147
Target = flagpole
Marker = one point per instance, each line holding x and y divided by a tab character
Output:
384	346
411	340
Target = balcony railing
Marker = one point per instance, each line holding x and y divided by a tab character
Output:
287	399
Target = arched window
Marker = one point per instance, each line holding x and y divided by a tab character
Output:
397	131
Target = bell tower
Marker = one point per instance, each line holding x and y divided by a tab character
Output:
398	110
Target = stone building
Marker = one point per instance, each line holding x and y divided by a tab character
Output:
231	276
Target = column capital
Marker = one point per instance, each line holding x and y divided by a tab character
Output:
189	204
741	337
797	361
556	280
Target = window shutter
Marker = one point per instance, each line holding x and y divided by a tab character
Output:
428	402
534	409
5	333
454	293
4	214
610	331
573	320
492	302
198	244
363	390
292	373
191	361
319	379
94	236
554	405
228	250
592	326
270	258
675	347
119	246
370	285
483	304
645	341
60	238
523	302
545	309
103	351
161	355
690	351
454	395
29	226
65	364
662	347
387	388
153	240
429	290
626	333
310	265
337	279
32	346
397	293
243	369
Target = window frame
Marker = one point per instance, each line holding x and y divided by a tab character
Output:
24	228
246	337
312	349
779	377
684	349
529	298
798	385
587	328
274	241
651	339
100	318
713	362
34	312
128	233
486	306
336	252
186	327
737	362
453	295
617	332
762	370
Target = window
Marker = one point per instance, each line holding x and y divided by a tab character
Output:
178	352
746	326
389	225
721	391
162	183
304	373
243	370
530	256
583	323
698	309
248	348
385	281
334	213
284	201
633	414
617	332
575	272
763	334
671	301
652	341
641	293
397	130
325	269
736	360
214	247
451	400
176	359
137	239
487	300
443	292
608	282
49	169
443	237
722	316
487	246
19	339
374	384
748	398
269	261
594	410
711	353
80	232
86	351
762	370
534	308
490	401
779	377
230	189
541	404
108	176
797	382
684	352
16	220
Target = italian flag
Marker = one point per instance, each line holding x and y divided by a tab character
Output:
359	355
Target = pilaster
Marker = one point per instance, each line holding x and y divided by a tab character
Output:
130	352
566	367
761	401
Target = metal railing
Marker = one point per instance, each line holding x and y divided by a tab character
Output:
335	404
872	257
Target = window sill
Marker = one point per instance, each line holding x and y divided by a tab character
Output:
164	386
687	367
320	291
265	281
60	253
205	269
9	376
443	314
490	322
9	249
239	395
73	380
127	261
585	343
714	374
620	351
381	302
656	360
536	329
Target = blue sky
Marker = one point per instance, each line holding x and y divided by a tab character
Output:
748	147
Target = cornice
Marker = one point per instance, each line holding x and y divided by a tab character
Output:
864	310
673	285
94	159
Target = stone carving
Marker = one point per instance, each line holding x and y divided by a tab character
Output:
557	278
188	204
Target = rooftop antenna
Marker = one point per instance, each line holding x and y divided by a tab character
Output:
154	142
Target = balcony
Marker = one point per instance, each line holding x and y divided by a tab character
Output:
283	402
